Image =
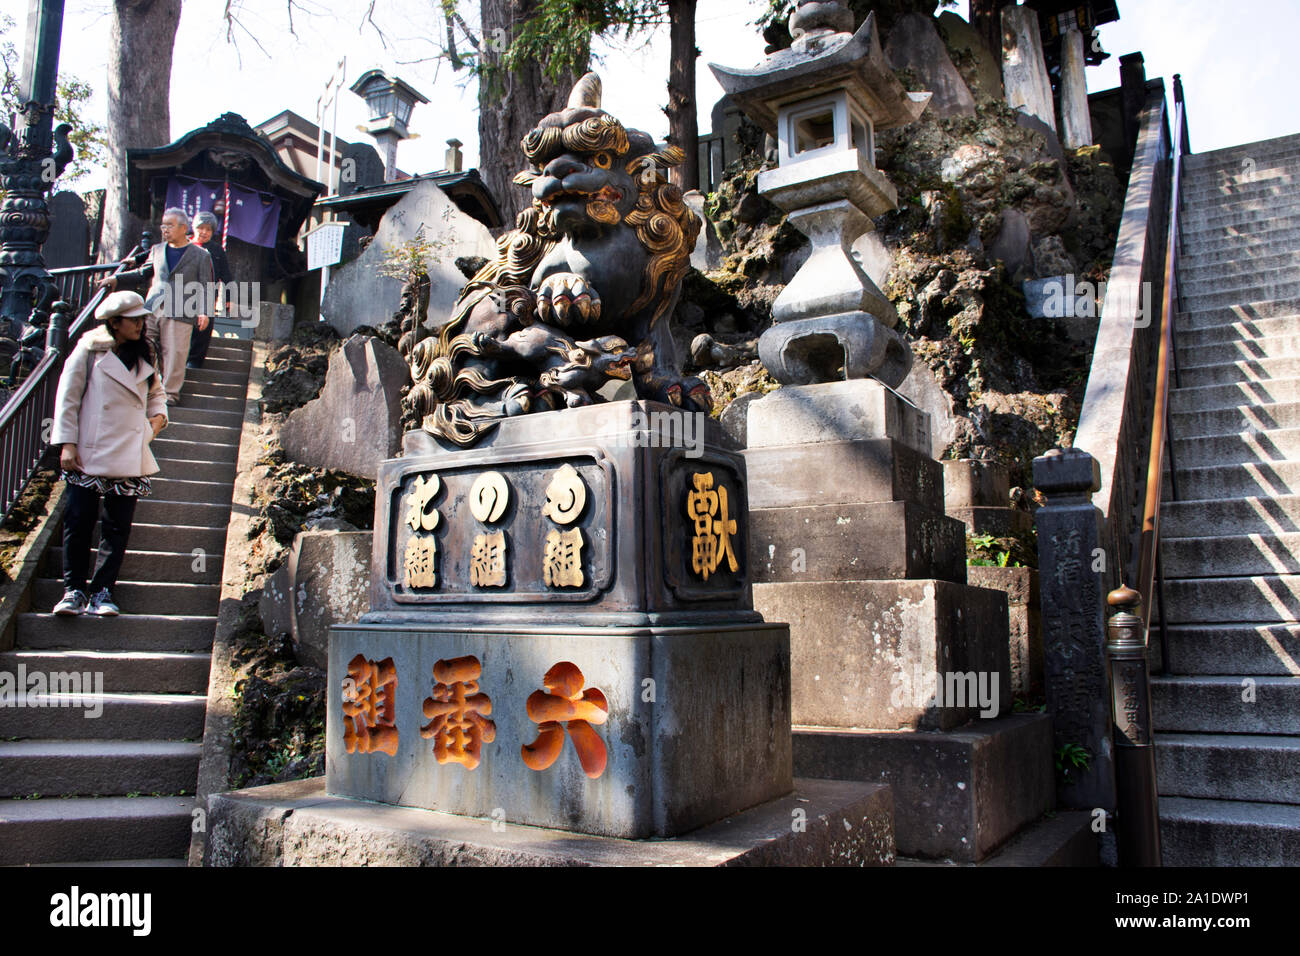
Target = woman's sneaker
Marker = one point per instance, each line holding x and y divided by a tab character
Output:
101	605
72	605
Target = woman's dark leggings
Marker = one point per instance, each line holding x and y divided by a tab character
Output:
79	523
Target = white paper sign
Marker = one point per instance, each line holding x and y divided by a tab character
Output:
325	244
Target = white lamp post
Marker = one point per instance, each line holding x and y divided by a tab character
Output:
390	101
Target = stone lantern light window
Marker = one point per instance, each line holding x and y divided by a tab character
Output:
825	124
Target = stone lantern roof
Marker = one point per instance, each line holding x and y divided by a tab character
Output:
824	56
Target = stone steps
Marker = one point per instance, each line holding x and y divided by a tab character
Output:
1246	370
152	662
1228	833
1234	243
166	450
56	768
1284	289
199	415
215	435
1191	320
1214	704
1205	600
164	672
1240	480
1274	228
1254	650
222	395
1267	183
1264	769
1227	710
180	567
143	597
1233	394
137	632
179	489
124	716
193	513
102	828
1277	186
1241	555
1260	193
1271	416
1251	284
1254	330
1237	213
1278	444
1254	515
1274	146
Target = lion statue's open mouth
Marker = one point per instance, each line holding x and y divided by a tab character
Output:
603	248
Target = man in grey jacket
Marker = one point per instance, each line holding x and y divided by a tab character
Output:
181	290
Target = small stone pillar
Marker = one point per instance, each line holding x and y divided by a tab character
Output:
1071	563
1024	71
1076	121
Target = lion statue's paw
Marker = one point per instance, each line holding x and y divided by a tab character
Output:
564	297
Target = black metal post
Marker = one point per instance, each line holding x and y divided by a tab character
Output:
1137	806
28	167
56	335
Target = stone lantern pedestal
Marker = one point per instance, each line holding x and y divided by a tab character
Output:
900	671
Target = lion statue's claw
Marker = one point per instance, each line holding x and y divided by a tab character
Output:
566	298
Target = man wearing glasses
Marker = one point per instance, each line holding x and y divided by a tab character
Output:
181	289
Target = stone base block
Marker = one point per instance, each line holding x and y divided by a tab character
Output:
822	823
1065	838
972	482
842	472
891	655
999	522
959	794
1024	614
824	543
691	724
836	411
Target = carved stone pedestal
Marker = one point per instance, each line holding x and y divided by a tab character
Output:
900	671
561	632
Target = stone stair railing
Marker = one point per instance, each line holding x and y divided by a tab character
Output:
1088	533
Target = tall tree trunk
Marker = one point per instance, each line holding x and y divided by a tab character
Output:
140	43
683	123
510	104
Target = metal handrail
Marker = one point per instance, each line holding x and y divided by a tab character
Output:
1137	793
24	435
1149	547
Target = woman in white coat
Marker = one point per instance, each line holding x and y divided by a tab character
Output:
110	405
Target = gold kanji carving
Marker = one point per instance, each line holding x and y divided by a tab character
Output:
459	727
565	705
562	565
487	564
370	706
419	513
565	496
708	509
421	561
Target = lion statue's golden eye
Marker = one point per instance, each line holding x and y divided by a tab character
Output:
602	160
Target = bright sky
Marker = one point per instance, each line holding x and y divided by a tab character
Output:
1233	58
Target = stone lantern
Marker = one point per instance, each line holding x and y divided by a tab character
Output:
390	101
823	99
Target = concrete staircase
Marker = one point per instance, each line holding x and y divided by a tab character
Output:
1227	713
120	786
